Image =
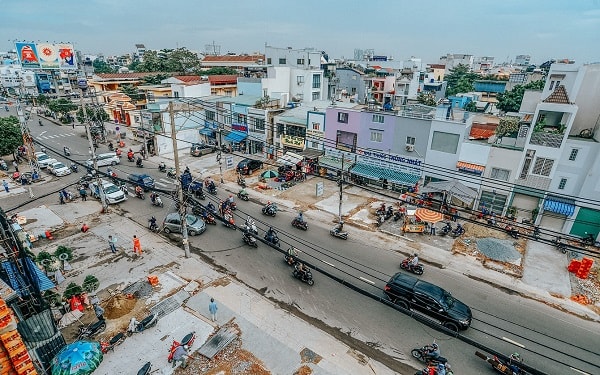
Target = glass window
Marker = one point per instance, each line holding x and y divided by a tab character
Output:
316	126
573	154
299	80
316	95
259	124
378	118
316	81
551	85
343	117
500	174
410	140
268	60
562	184
300	61
445	142
376	136
210	115
345	141
543	166
282	61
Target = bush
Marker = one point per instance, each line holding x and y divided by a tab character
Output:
64	250
90	284
72	290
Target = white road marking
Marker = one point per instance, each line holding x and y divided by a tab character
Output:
170	182
44	132
579	371
367	280
513	342
160	184
329	264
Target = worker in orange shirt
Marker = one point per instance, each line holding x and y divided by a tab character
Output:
137	247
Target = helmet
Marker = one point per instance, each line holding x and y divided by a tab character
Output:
415	254
515	356
441	366
186	347
434	345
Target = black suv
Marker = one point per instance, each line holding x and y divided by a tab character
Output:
199	149
411	293
247	166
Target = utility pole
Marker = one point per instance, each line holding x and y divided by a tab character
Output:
144	147
92	149
220	155
341	184
182	208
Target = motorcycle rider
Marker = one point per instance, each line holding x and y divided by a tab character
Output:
39	120
110	146
138	162
338	228
300	217
162	167
292	253
211	207
271	235
152	222
130	154
153	196
66	151
433	352
139	191
513	361
413	262
118	152
301	270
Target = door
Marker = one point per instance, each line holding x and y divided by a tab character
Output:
587	220
525	204
553	221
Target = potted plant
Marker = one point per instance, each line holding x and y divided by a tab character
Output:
511	212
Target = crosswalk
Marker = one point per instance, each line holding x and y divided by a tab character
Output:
165	182
62	135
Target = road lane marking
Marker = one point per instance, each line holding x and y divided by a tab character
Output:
329	264
579	371
167	181
367	280
513	342
161	184
44	132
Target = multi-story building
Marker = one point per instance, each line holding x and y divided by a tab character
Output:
522	60
451	60
351	84
483	64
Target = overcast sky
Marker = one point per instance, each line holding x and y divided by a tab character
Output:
422	28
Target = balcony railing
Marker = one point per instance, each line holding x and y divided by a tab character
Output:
546	139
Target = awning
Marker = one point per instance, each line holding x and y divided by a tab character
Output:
333	162
470	167
291	158
482	131
206	131
378	173
558	205
236	136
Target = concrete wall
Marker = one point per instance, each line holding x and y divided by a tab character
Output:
332	125
351	79
249	86
443	163
315	130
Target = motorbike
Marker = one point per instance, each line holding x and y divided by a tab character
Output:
124	189
397	215
3	165
270	210
417	270
232	206
241	181
588	240
272	239
140	195
250	226
152	224
162	167
389	213
421	355
145	370
107	345
209	219
501	366
338	233
228	220
171	173
536	233
514	233
249	239
66	151
381	210
40	122
200	194
137	327
243	195
91	330
188	340
305	276
458	231
110	146
130	158
291	257
300	224
157	201
380	219
139	163
211	208
557	242
212	189
74	167
447	228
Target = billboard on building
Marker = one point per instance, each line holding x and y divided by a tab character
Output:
46	55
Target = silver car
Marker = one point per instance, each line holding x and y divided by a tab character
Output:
172	223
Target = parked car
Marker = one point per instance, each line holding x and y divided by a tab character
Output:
199	149
145	181
172	223
247	166
44	160
104	159
59	169
112	193
428	299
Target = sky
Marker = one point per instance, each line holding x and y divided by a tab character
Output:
426	29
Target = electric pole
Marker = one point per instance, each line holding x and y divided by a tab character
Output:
182	208
341	183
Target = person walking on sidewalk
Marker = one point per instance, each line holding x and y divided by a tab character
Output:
112	244
5	184
16	165
137	247
212	308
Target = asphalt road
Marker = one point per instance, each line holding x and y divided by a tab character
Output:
553	341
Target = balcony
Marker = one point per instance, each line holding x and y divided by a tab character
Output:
547	139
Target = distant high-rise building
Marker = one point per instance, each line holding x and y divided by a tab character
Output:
522	60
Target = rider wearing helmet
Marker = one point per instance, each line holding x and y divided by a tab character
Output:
513	361
433	352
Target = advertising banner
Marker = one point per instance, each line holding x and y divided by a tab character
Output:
28	55
66	55
48	54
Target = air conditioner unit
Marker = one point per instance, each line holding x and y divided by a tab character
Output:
410	148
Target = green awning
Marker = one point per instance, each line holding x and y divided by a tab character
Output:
332	162
378	173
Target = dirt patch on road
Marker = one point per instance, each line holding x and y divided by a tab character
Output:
119	306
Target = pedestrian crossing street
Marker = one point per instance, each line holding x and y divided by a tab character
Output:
55	136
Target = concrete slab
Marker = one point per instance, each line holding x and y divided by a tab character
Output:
538	272
39	219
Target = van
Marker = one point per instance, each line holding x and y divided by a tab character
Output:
104	159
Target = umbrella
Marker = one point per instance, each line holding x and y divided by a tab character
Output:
429	216
78	358
269	174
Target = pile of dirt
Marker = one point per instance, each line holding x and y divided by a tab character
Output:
119	306
303	370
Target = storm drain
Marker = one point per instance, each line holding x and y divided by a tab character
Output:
218	342
140	289
170	304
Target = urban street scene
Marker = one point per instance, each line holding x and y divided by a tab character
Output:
263	193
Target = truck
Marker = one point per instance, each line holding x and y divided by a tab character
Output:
143	180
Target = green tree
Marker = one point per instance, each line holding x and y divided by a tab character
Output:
11	135
471	107
507	125
460	79
182	61
216	71
133	66
152	63
510	101
94	114
102	67
427	98
62	106
155	79
42	100
132	92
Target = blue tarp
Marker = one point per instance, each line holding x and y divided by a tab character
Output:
377	173
236	136
18	283
206	131
560	206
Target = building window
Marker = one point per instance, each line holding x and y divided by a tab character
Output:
282	61
376	136
543	166
316	81
573	155
378	118
269	60
527	164
210	115
176	94
551	85
557	84
410	140
500	174
300	61
240	118
299	80
316	126
296	131
345	141
280	129
227	120
316	95
343	117
562	184
259	124
445	142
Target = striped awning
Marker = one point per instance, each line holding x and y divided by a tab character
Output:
470	167
378	173
558	205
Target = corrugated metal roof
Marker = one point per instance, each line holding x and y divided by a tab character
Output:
233	58
218	342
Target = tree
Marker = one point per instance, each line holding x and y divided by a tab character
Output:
427	98
42	100
155	79
102	67
460	79
510	101
471	107
216	71
11	135
179	60
62	106
508	125
93	113
132	92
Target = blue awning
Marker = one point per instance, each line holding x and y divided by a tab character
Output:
15	278
373	172
206	131
559	205
236	136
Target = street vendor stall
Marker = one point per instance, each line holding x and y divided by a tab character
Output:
412	224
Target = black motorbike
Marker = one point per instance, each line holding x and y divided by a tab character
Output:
108	345
110	146
74	168
381	210
500	365
3	165
557	242
137	327
91	330
145	370
447	228
588	240
139	163
536	233
417	270
152	224
270	210
243	195
458	231
272	239
305	276
212	189
199	194
162	167
140	195
514	233
66	151
171	173
300	224
389	213
249	239
397	215
241	181
422	355
380	220
130	158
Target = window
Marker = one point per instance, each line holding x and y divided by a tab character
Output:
259	124
557	84
240	118
562	184
300	61
376	135
378	118
500	174
282	61
343	117
527	164
269	60
316	126
573	155
295	131
299	80
551	85
345	141
445	142
280	129
228	120
210	115
543	166
316	81
410	140
316	95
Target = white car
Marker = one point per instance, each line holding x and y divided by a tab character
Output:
44	160
59	169
112	193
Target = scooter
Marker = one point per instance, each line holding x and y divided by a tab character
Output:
171	173
136	327
339	234
300	224
389	212
145	370
162	167
241	181
130	158
157	201
588	240
74	168
514	233
228	220
3	165
249	239
152	224
381	210
250	226
107	345
272	239
110	146
66	151
208	218
139	163
380	219
270	210
305	276
421	355
91	330
124	188
499	365
417	270
188	340
243	195
560	245
212	189
397	215
447	228
458	231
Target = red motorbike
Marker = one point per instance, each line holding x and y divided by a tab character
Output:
188	341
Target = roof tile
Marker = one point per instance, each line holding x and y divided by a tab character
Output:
558	96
